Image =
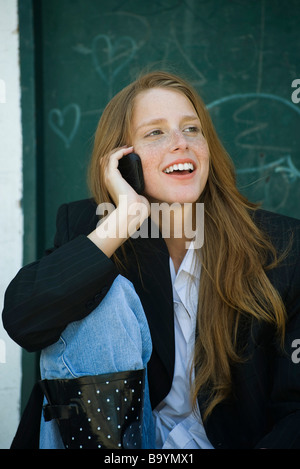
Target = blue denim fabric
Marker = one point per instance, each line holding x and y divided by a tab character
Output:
114	337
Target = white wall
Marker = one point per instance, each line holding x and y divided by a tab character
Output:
11	217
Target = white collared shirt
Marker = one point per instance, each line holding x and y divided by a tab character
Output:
177	426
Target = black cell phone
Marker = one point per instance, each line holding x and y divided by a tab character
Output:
130	166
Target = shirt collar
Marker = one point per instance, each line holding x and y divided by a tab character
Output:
186	281
190	264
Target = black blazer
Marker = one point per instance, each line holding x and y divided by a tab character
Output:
74	276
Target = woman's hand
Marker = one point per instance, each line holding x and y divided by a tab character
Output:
131	208
117	186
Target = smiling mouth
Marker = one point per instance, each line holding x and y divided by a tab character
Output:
181	168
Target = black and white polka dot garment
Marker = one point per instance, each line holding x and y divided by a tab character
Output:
103	411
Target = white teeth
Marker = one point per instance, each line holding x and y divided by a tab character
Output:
179	167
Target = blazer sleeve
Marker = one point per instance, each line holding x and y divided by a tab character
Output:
63	286
285	394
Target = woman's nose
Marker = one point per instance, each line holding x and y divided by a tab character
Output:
178	141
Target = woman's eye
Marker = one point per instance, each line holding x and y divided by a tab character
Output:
154	133
191	129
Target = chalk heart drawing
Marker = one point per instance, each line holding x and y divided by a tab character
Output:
65	122
110	57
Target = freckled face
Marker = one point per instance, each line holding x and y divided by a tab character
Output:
166	133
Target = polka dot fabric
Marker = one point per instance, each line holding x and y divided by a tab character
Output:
97	412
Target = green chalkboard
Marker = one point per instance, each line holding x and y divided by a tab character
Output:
241	55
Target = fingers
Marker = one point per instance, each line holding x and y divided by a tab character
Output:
110	164
115	183
117	154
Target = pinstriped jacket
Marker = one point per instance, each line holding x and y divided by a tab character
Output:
74	276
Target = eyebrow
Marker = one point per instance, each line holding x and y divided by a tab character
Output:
162	120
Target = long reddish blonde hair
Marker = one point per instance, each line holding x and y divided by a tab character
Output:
234	256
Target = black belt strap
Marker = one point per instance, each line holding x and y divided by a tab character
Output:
60	412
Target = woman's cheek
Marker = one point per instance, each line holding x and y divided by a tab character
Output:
151	156
151	163
149	174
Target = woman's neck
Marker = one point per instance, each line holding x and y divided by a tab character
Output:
175	222
177	248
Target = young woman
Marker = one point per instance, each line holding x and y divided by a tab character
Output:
205	334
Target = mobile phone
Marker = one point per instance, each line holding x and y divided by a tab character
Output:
130	166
